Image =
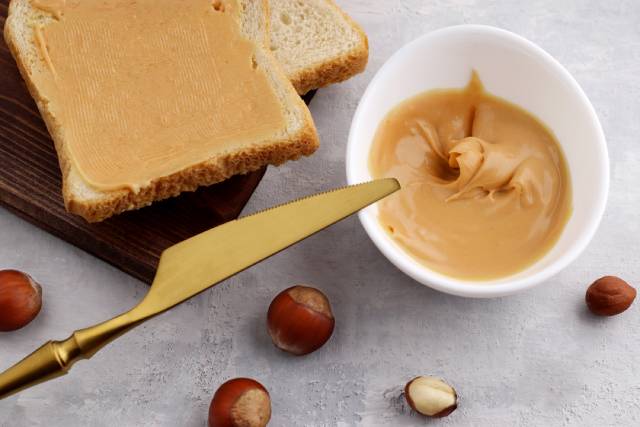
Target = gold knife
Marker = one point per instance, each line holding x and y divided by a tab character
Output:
196	264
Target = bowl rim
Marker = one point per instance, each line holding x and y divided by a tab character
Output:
481	289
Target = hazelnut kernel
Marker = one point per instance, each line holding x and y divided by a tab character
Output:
609	296
431	396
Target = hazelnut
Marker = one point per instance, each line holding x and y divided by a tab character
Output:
20	300
431	397
609	296
240	402
300	320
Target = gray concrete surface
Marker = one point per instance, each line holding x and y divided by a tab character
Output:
535	359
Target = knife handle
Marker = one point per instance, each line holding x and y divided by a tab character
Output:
55	358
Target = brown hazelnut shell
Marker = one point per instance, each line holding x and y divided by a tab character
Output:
300	320
20	300
240	402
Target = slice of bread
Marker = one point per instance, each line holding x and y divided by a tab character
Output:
256	20
298	137
316	43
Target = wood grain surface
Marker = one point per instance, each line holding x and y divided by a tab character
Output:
30	186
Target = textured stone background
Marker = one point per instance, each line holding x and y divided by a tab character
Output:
535	359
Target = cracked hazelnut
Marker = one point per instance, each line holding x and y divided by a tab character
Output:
240	402
431	397
609	296
300	320
20	300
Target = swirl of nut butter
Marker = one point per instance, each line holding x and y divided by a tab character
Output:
475	167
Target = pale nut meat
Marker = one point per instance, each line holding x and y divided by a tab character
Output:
609	296
431	396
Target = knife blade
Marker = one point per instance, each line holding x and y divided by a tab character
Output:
196	264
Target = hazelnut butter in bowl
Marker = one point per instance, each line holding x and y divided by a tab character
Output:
501	157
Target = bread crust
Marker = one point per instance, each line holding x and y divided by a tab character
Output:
210	171
335	71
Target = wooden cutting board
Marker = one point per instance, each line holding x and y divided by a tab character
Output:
30	187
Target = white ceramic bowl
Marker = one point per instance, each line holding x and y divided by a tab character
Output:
513	68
